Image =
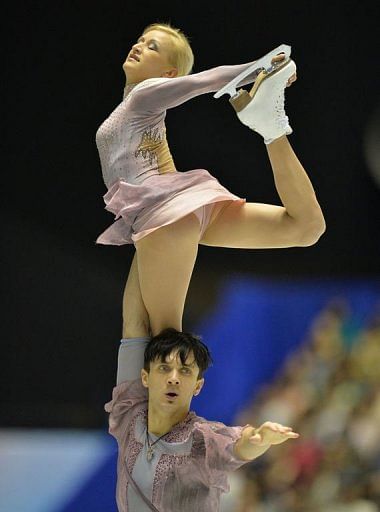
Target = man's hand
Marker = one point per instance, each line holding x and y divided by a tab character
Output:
280	57
269	433
256	441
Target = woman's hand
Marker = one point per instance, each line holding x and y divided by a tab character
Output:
280	57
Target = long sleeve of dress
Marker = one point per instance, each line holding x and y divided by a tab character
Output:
164	93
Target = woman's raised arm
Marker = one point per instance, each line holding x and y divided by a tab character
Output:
159	94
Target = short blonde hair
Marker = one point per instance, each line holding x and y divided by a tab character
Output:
182	56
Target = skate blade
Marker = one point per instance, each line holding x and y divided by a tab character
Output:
264	63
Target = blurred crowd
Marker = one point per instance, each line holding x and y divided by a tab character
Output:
328	392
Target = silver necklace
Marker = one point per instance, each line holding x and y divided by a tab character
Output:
150	451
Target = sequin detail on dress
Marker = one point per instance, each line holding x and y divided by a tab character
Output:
150	142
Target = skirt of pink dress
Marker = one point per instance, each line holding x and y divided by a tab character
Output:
158	201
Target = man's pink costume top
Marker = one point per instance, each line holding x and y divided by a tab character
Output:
190	464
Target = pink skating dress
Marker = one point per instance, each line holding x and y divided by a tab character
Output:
145	190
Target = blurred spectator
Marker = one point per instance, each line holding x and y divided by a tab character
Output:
329	392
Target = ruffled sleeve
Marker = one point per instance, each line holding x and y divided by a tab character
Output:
127	399
214	441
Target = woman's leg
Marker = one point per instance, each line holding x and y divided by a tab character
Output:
299	222
135	315
166	260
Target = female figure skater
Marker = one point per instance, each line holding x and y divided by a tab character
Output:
167	213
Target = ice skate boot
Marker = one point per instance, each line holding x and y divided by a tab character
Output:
262	109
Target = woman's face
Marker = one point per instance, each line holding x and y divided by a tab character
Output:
149	58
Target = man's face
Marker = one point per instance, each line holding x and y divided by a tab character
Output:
172	384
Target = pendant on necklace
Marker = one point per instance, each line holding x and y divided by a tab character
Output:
149	453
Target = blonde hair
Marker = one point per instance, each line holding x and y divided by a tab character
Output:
181	56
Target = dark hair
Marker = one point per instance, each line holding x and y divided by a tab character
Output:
161	345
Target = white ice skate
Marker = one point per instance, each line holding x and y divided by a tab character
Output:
262	109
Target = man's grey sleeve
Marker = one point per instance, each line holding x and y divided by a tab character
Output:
131	359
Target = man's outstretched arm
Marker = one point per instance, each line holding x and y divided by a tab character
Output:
256	441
